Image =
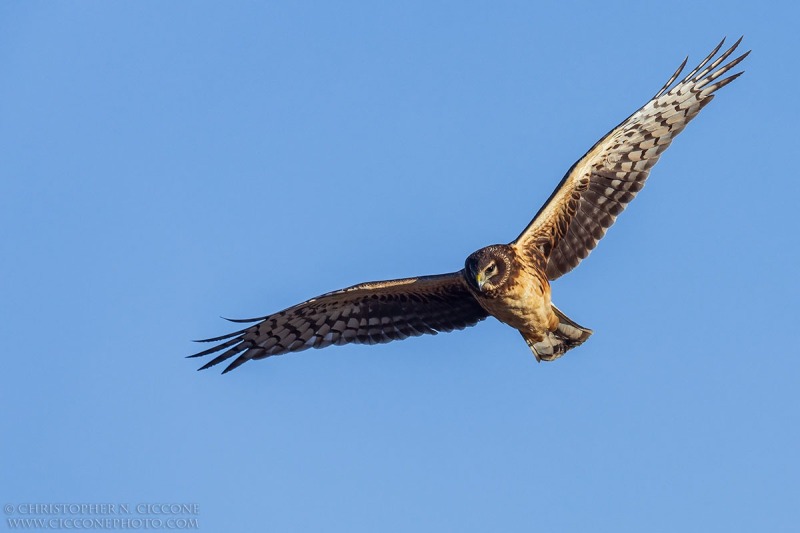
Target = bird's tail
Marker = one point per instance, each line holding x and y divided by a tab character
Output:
556	343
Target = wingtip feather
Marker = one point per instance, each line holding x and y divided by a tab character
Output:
243	320
239	361
215	349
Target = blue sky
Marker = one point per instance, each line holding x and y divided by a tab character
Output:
165	163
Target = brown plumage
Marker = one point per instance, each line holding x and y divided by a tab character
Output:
507	281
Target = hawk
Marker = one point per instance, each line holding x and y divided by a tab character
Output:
510	282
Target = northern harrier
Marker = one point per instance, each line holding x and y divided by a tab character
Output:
507	281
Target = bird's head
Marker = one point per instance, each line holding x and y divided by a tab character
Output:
489	269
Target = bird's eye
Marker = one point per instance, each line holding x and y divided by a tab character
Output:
491	268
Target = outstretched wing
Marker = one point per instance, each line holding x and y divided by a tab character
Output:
599	186
368	313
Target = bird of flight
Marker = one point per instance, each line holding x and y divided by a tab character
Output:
507	281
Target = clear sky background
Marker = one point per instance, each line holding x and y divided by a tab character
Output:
165	163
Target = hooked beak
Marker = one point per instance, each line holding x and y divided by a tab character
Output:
480	279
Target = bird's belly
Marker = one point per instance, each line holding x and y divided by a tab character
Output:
528	311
